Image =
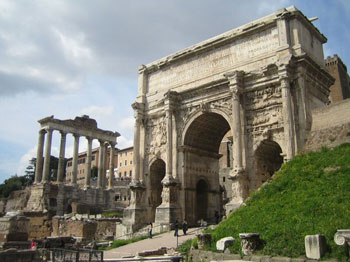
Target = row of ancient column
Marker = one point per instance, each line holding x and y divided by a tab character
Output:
42	170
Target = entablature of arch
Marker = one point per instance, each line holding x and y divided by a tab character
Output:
82	126
200	152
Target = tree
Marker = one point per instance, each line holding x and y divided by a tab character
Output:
30	171
13	183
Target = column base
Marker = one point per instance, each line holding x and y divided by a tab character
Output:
240	189
168	211
165	218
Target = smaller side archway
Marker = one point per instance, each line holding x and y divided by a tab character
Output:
268	160
157	173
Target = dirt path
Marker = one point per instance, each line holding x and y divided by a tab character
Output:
163	240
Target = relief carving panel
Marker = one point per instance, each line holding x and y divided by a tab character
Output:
264	110
156	136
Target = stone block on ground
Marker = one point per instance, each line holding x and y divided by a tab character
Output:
315	246
224	243
203	240
250	242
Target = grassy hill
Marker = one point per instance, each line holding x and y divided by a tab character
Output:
308	195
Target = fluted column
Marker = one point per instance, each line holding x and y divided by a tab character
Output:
104	165
235	85
88	163
288	122
137	132
175	156
75	159
46	171
169	148
39	157
240	187
61	158
100	164
111	166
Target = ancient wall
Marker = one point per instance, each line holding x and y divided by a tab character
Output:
40	225
2	206
77	228
330	126
17	200
98	229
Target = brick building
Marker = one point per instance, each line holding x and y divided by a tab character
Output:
82	167
125	164
341	88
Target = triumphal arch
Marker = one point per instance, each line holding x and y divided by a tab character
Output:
259	81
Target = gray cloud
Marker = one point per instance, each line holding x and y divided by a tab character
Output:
51	46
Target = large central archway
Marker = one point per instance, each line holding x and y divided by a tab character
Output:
202	140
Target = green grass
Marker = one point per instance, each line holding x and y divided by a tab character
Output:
113	214
308	195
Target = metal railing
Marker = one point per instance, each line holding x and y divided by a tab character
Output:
81	255
158	259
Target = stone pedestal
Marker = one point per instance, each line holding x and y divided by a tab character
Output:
250	242
134	216
315	246
14	227
342	238
240	190
168	211
203	240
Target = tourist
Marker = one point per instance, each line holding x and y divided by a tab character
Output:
150	227
176	233
184	227
33	244
217	217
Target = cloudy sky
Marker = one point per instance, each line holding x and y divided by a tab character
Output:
69	58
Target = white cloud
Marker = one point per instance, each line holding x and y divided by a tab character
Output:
100	113
81	57
127	124
123	142
75	47
24	161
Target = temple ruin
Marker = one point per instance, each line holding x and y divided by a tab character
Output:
60	197
259	81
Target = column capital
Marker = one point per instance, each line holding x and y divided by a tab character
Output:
63	133
42	131
76	135
89	138
283	71
112	144
138	112
171	98
235	78
48	129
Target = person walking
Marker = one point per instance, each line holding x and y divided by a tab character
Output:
184	227
217	217
176	233
150	227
